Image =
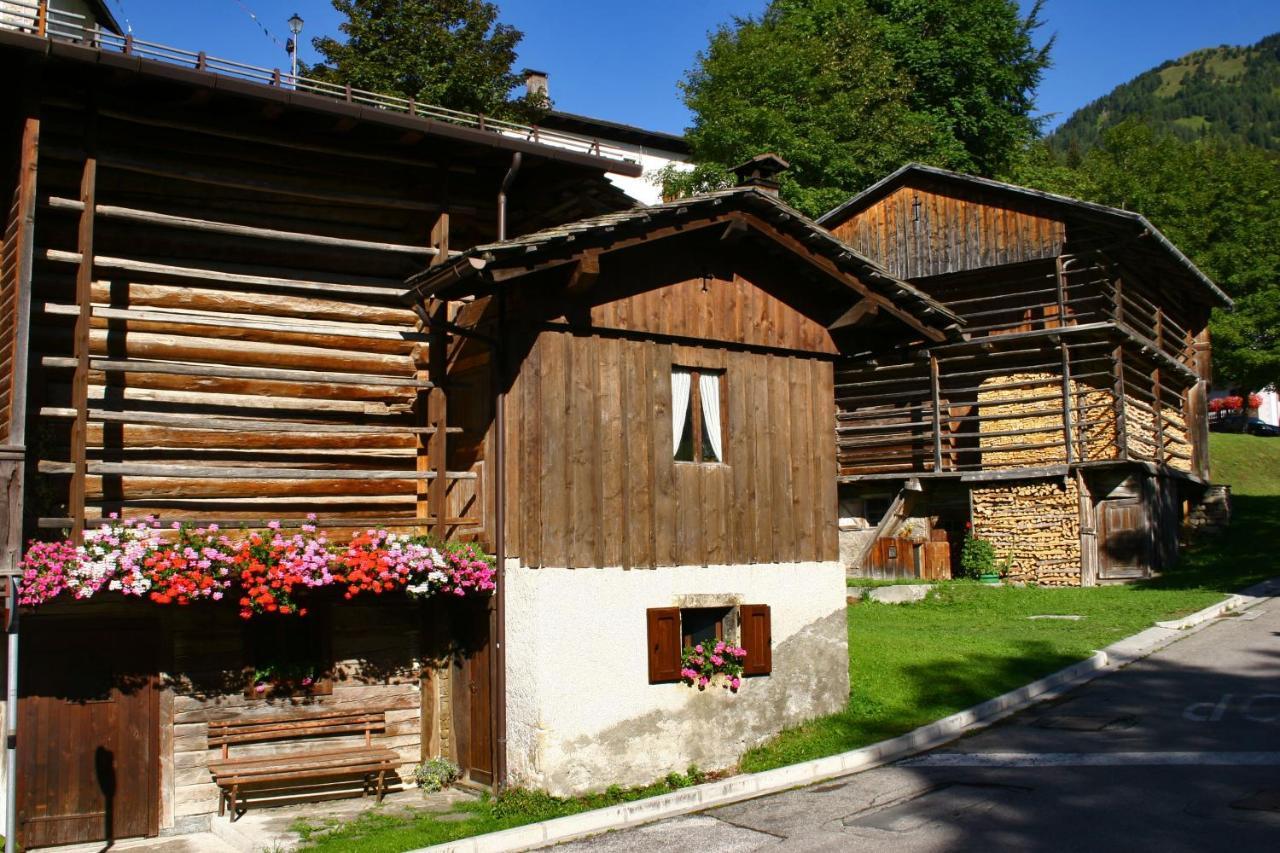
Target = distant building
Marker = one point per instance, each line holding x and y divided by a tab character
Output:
654	149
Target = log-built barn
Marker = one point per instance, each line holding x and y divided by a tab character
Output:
1069	428
202	319
658	387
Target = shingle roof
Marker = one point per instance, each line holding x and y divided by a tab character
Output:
748	199
1097	211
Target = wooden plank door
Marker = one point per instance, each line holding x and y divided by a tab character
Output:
473	695
88	733
1122	540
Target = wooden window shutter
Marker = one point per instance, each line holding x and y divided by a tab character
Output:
664	644
757	639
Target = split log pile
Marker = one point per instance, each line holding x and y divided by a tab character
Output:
1036	524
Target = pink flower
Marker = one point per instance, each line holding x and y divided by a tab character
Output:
735	683
698	648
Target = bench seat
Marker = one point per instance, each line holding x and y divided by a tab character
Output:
235	776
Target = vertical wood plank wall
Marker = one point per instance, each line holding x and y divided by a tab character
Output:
592	478
948	232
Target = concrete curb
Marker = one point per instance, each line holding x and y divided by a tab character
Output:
750	785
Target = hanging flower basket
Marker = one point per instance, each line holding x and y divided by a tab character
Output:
266	571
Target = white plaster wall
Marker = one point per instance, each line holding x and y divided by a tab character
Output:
644	189
581	712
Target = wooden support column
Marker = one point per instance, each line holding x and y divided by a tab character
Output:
1198	403
80	379
13	452
437	408
935	388
1066	403
1157	414
1122	426
1061	286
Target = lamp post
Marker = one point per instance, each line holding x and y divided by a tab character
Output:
295	27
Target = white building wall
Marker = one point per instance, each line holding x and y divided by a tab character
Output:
581	712
646	189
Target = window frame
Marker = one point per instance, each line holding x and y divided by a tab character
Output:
696	417
319	621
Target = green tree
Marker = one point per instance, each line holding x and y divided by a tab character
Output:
848	90
448	53
1218	202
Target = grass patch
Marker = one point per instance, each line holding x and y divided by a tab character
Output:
380	831
912	664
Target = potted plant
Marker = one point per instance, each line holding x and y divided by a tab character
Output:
978	559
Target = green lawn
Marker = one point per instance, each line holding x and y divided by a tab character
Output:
912	664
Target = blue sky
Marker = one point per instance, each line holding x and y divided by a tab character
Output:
623	60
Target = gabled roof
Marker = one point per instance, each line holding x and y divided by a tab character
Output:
906	302
1070	206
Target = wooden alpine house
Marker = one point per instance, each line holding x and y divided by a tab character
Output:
204	320
1069	427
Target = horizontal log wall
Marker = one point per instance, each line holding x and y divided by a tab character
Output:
592	480
239	351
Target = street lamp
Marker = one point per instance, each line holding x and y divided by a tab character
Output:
295	27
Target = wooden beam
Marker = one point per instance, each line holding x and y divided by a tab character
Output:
229	371
862	309
240	472
935	387
80	379
188	223
201	274
181	421
585	274
1066	403
433	411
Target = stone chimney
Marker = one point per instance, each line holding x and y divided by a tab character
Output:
762	172
535	83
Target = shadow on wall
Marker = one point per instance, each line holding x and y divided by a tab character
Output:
809	679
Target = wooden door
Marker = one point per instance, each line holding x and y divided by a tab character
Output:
88	733
473	694
1122	539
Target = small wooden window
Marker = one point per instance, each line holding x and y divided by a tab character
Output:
672	629
289	655
757	639
698	413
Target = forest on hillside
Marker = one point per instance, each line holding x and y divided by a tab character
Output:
1229	94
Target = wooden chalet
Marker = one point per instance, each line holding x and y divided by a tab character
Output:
1068	428
203	319
655	388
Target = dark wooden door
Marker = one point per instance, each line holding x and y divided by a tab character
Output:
473	694
87	733
1122	539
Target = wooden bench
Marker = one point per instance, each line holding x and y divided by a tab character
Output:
234	776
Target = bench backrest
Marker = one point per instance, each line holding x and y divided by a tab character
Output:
242	730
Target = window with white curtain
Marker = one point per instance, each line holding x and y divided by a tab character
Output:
696	415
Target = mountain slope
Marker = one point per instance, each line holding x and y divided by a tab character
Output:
1228	93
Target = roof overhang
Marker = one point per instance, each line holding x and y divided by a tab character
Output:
146	69
482	267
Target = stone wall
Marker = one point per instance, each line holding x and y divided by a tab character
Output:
1035	523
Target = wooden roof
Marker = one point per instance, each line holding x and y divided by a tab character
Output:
745	208
1097	214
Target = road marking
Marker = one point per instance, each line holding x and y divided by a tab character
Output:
1095	759
1258	708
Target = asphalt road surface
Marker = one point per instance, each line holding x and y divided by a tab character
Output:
1177	752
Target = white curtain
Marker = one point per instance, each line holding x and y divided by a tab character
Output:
709	387
681	381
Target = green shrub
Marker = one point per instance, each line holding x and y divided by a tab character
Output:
436	774
977	556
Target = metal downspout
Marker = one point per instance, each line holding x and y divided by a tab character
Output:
500	501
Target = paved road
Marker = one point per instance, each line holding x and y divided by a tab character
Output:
1177	752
